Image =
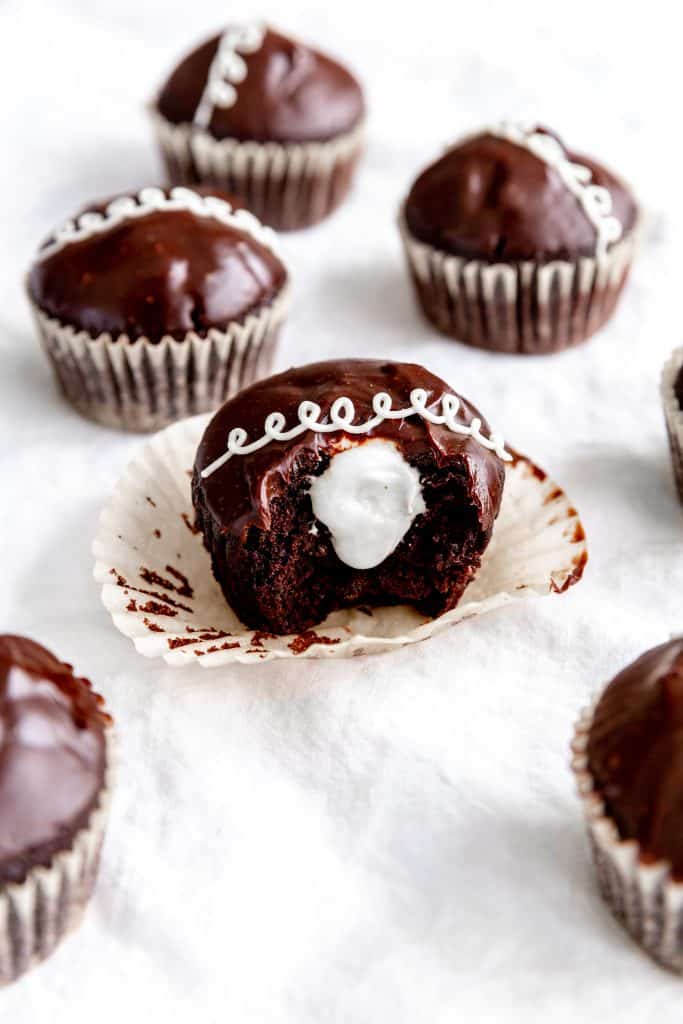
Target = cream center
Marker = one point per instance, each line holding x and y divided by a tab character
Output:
368	498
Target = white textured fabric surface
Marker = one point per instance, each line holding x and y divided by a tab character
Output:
392	839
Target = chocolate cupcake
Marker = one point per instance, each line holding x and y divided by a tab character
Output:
265	117
157	306
346	483
516	244
672	401
629	765
55	779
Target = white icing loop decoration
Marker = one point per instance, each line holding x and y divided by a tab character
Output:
595	200
150	200
228	69
341	418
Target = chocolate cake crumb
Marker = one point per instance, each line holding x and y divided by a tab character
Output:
300	644
553	496
192	527
214	650
153	627
185	589
155	608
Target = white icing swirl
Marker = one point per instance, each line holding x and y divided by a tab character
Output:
147	201
341	418
228	69
595	200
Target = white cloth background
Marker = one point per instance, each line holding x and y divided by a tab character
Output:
391	839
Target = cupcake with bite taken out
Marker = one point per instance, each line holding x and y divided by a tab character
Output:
341	483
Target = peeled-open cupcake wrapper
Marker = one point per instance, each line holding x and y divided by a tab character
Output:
143	386
286	185
522	307
673	416
642	896
36	914
158	586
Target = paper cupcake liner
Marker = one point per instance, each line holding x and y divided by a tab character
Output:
286	185
643	897
143	386
525	307
36	914
673	416
158	586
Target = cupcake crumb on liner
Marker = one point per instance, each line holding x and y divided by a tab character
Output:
526	308
286	185
36	914
673	416
158	586
143	385
643	897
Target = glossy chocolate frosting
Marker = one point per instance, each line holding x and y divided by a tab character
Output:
52	756
240	493
678	388
291	93
165	273
490	199
635	753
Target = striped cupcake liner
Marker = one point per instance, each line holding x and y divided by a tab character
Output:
673	416
522	308
36	914
642	896
142	385
286	185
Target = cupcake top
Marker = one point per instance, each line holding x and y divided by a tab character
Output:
252	83
678	387
159	263
52	756
514	193
269	436
635	753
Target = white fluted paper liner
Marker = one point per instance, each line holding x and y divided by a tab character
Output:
158	586
520	307
643	896
36	914
142	385
287	185
673	415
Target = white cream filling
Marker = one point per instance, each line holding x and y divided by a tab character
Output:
368	498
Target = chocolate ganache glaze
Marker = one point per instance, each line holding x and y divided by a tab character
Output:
240	493
282	566
635	753
166	273
52	756
290	93
678	388
490	199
